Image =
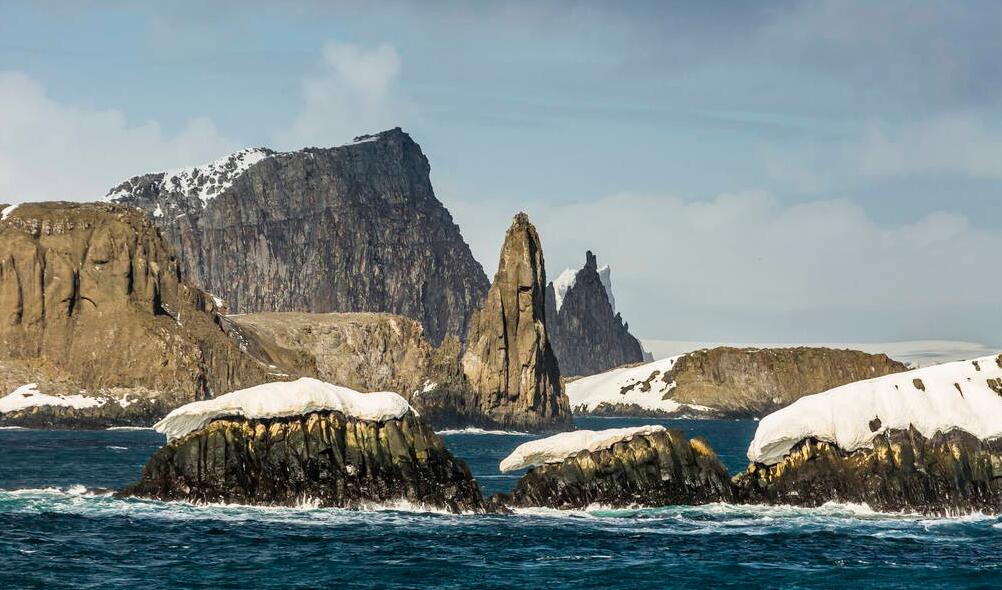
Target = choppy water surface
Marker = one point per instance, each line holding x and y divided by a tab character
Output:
58	529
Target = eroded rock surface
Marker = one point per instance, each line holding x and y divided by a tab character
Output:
509	362
91	298
321	458
946	474
658	469
587	334
344	229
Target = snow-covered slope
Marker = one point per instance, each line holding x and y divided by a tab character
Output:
284	398
558	447
964	395
605	275
643	385
916	353
204	181
28	396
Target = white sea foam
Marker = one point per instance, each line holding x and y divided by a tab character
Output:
473	430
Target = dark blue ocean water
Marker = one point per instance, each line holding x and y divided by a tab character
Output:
58	531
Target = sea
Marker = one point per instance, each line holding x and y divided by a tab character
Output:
60	528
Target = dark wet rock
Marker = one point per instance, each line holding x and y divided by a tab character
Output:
587	334
947	474
508	362
344	229
658	469
322	458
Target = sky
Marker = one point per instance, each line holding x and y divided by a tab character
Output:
752	171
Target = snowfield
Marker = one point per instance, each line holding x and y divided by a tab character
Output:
558	447
588	393
28	396
965	395
284	398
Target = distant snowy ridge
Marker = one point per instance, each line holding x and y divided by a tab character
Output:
556	448
281	399
642	385
205	181
964	395
562	284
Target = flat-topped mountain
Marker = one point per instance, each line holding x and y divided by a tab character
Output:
587	333
342	229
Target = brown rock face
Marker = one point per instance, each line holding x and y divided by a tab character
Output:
322	457
92	292
345	229
658	469
947	474
508	360
587	334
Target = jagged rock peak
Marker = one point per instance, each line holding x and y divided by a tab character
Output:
588	335
352	228
508	360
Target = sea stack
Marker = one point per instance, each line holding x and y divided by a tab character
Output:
623	467
587	333
508	361
305	441
927	440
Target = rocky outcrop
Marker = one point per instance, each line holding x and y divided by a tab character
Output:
662	468
344	229
587	334
322	458
91	298
725	382
508	362
947	474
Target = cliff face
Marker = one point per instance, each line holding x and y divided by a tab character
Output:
948	474
323	457
587	334
658	469
508	360
351	228
91	297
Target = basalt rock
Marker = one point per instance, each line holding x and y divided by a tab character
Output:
658	469
947	474
587	334
508	361
321	458
344	229
92	298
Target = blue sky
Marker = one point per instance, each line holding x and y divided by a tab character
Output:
785	171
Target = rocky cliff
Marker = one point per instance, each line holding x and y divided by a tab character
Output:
660	468
322	458
724	381
949	473
587	334
508	360
91	298
350	228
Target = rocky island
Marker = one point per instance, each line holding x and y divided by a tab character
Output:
305	441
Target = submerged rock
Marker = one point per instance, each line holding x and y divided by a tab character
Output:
946	474
508	362
651	466
324	458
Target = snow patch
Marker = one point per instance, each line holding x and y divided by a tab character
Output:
563	283
28	396
284	398
558	447
5	213
965	395
605	275
588	393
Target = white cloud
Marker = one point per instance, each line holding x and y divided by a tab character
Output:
54	151
952	143
747	266
355	94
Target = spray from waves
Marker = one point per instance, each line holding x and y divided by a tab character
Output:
473	430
